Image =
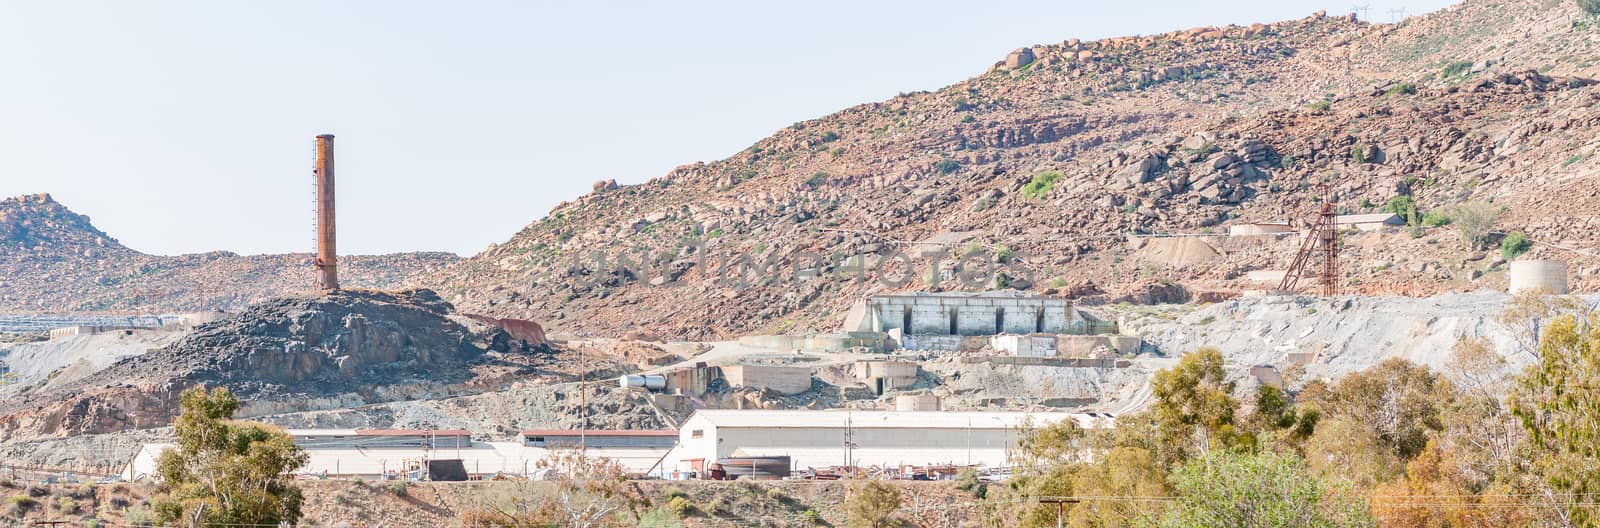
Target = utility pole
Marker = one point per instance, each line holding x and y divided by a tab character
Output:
1363	9
1061	503
1401	13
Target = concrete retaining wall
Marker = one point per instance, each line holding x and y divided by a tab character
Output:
972	315
1084	346
944	342
783	380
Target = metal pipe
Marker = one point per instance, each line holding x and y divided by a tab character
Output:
327	252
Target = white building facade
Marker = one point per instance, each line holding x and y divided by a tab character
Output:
819	439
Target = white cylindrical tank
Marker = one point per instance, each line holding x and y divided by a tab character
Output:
643	381
916	402
1550	275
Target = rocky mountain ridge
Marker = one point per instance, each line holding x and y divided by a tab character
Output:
1071	160
55	260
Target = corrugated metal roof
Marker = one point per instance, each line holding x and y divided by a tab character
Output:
413	432
598	432
893	419
482	457
377	432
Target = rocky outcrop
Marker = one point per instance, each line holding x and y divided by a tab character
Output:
299	353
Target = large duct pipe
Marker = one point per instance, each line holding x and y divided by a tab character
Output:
327	252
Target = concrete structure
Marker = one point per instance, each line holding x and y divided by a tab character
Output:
848	341
70	331
1266	276
972	315
916	402
1260	228
1097	346
48	322
944	342
887	375
817	439
1032	345
1368	222
1268	375
691	380
783	380
1531	275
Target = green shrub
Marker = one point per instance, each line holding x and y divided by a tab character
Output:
1320	106
816	179
658	518
1514	245
967	480
23	502
84	491
1358	154
830	137
1436	219
1404	207
680	506
812	516
67	505
1042	184
398	488
947	166
776	494
1401	89
1455	70
1592	7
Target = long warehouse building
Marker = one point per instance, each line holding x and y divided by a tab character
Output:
819	439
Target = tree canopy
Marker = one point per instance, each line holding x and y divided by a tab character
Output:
226	472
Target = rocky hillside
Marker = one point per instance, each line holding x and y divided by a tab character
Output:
1064	158
55	260
303	353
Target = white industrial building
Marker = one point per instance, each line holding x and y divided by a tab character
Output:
820	439
377	454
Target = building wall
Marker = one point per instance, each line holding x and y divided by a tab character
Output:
1084	346
916	402
1258	229
785	380
886	369
943	342
972	315
824	446
1548	275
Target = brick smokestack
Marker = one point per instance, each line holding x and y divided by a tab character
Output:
327	252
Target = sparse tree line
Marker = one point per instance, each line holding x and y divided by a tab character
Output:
1396	445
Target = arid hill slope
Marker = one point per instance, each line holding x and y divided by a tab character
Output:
55	260
1054	157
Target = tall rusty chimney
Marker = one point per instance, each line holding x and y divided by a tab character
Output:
327	254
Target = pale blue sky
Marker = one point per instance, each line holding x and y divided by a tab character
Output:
187	126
